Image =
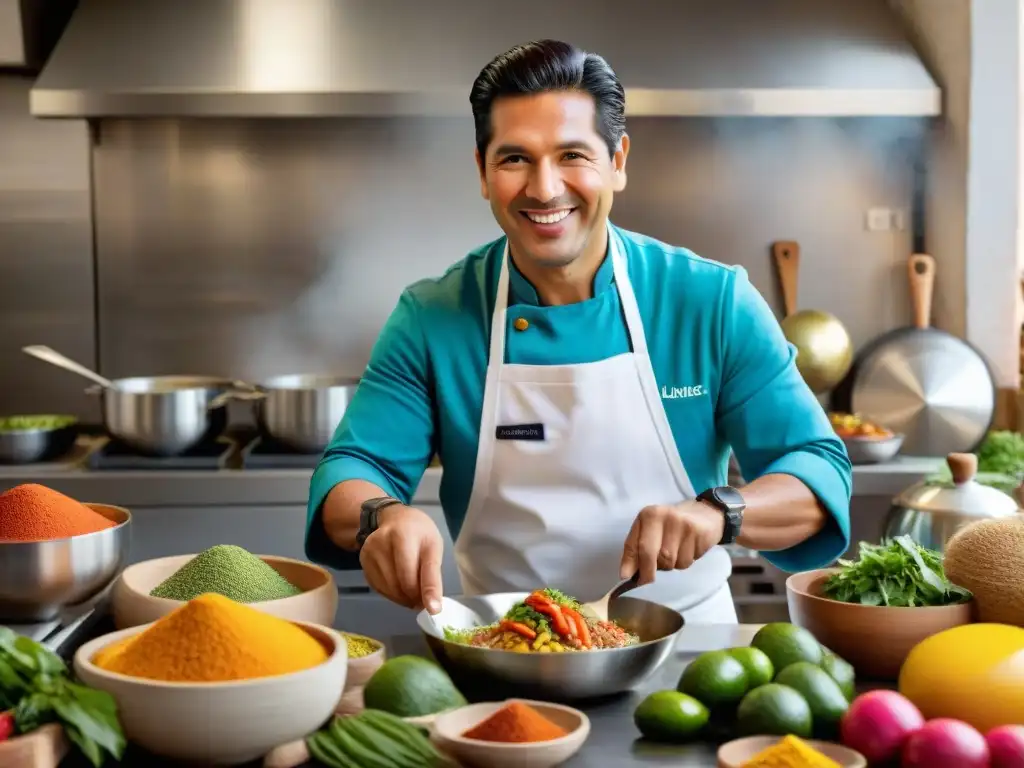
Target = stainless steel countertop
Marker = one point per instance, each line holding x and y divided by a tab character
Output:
171	488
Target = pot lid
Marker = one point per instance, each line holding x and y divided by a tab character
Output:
964	495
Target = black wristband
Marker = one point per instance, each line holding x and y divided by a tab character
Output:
369	514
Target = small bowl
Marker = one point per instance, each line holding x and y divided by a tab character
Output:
872	450
132	605
874	639
359	671
447	730
221	723
735	753
39	578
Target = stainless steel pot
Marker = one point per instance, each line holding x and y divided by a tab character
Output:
156	415
301	411
164	415
931	511
32	444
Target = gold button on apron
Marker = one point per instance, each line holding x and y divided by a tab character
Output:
521	324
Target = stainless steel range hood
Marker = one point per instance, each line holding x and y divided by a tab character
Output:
323	58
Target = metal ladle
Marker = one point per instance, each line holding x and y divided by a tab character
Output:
53	357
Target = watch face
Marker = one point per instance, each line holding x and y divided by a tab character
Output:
730	497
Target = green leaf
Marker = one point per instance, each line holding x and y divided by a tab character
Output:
92	726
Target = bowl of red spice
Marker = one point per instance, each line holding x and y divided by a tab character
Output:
512	733
55	551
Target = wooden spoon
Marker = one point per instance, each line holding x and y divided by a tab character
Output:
598	609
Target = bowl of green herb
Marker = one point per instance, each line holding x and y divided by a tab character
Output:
874	610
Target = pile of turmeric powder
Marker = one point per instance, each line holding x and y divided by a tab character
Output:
790	752
213	639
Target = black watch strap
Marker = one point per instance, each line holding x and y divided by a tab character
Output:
730	503
369	514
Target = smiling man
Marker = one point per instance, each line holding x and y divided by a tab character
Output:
583	386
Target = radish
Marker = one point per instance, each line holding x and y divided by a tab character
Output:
1006	745
946	743
878	723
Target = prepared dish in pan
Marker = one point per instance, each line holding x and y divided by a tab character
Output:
547	621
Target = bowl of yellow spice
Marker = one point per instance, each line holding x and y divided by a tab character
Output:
217	681
291	589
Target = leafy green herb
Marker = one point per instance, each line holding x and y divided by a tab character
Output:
562	599
898	573
35	683
524	614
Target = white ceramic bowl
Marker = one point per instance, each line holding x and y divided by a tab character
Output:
448	728
735	754
221	723
132	605
359	671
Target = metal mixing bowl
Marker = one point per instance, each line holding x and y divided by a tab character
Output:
26	446
39	578
486	674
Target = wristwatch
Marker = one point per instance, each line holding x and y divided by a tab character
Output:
729	502
368	516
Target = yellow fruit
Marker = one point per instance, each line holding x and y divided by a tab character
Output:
973	673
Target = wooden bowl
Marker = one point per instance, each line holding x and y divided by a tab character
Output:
736	753
132	605
447	730
874	639
220	723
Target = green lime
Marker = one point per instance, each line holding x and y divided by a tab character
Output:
670	716
774	710
714	678
786	644
826	699
760	670
840	670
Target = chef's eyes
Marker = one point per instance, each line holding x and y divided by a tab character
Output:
516	159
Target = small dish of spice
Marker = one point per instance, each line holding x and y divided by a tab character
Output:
365	656
512	733
287	588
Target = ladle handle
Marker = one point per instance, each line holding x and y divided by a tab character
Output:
53	357
787	261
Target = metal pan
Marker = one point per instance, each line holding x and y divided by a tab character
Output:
932	387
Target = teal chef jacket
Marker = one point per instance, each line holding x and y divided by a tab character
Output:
727	377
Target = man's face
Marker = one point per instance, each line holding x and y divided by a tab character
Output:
548	175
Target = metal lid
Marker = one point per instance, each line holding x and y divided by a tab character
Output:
964	496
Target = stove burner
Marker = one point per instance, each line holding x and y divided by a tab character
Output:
212	455
266	453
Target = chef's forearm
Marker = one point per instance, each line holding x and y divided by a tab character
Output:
341	510
781	513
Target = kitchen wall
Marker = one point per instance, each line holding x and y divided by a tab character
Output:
250	248
46	255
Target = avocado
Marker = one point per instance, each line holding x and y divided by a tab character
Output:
840	670
786	644
411	686
715	679
774	710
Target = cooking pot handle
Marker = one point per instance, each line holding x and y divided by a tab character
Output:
250	392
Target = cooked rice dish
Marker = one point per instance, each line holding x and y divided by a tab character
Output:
545	622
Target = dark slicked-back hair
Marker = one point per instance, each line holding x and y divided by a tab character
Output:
549	65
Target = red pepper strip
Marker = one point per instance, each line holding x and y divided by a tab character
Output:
6	725
582	630
518	628
553	612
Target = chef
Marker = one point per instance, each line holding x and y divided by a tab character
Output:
582	386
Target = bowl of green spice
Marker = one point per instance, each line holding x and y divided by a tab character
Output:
283	587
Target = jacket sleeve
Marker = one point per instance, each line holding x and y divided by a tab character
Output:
776	425
386	436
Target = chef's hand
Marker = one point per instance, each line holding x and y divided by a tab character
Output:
402	558
669	537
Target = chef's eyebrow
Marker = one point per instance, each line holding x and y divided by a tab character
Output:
516	149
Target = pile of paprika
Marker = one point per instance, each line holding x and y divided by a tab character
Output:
516	723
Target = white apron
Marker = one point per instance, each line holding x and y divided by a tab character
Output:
555	510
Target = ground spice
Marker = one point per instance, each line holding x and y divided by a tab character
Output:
516	722
790	752
33	512
227	570
359	646
214	639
